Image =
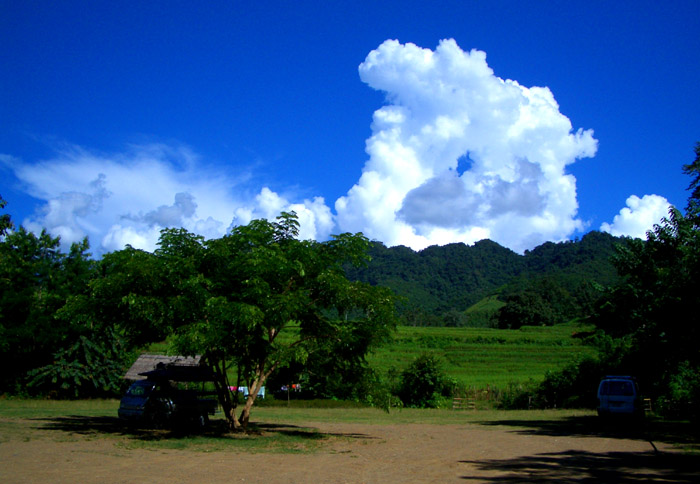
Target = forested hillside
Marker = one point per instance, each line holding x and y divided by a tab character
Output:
440	283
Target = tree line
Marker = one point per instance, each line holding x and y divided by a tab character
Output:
256	301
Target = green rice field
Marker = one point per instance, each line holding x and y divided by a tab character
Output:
483	357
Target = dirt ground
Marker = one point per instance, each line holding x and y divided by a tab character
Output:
359	453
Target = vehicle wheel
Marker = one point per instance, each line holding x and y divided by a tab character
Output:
158	414
156	419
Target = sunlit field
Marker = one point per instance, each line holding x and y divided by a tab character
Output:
478	358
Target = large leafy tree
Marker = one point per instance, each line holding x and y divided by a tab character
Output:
36	280
655	308
253	301
274	299
526	308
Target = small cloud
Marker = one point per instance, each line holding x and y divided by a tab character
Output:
638	217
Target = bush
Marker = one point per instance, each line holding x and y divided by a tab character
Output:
573	387
89	368
684	392
422	383
518	396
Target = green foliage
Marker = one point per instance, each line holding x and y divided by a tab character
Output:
573	387
684	391
36	280
650	319
437	284
657	305
87	368
255	300
484	314
575	384
525	309
439	278
5	222
693	170
422	383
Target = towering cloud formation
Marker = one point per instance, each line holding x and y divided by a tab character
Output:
458	154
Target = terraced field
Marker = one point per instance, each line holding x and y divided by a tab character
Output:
477	357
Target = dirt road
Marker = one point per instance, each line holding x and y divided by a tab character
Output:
357	453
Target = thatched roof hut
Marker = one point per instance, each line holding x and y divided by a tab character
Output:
149	362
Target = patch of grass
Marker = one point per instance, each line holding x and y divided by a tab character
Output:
39	408
261	438
85	417
483	313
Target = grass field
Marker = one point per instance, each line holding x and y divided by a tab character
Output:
481	357
38	410
63	420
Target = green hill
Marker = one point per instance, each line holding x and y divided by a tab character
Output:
440	284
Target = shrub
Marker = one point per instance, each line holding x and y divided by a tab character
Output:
422	383
88	368
684	392
573	387
518	396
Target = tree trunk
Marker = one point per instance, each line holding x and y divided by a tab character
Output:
224	395
245	413
253	390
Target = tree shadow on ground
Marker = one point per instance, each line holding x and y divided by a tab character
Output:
650	430
588	467
84	425
293	430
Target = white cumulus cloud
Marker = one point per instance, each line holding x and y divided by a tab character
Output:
127	198
459	154
639	216
456	154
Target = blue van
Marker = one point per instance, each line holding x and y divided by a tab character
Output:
619	395
161	404
160	401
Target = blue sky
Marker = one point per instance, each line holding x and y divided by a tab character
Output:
417	123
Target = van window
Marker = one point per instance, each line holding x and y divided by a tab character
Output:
617	388
139	390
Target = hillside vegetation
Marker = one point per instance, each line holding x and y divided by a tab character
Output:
482	357
461	285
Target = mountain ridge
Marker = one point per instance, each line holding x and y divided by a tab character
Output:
440	280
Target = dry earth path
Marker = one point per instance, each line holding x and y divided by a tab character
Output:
354	453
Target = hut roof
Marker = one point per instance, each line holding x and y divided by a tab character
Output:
149	362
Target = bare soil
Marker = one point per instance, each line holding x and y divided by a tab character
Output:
354	453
